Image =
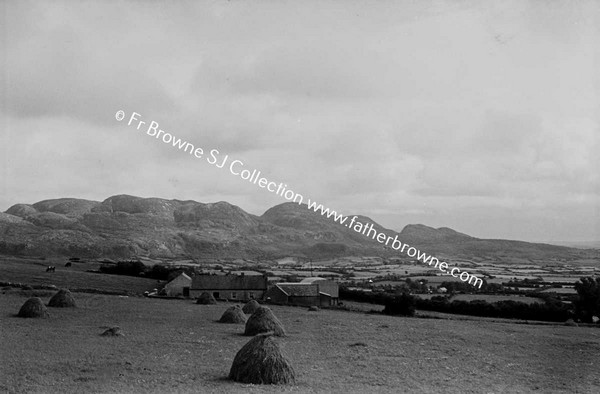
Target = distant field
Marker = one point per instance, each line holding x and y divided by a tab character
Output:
176	346
33	272
496	298
436	280
564	290
563	279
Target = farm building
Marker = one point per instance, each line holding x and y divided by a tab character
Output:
327	287
179	286
230	287
307	294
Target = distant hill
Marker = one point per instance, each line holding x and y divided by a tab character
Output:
580	245
124	226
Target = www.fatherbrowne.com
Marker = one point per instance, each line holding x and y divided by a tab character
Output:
236	167
369	231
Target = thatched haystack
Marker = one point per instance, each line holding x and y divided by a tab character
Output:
62	299
233	315
113	332
260	361
34	307
262	321
251	307
313	308
571	323
206	299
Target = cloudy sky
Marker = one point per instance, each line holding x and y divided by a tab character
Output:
479	116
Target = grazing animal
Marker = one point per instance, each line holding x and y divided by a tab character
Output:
68	264
51	268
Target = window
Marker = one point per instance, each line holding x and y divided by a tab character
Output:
234	295
251	295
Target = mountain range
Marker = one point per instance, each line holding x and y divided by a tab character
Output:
124	226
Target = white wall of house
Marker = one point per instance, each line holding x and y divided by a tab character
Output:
175	288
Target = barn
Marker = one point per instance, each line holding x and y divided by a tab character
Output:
179	286
326	287
230	287
306	294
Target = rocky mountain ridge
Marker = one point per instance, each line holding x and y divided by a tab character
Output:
123	226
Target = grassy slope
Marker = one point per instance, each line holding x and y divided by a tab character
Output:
33	272
175	346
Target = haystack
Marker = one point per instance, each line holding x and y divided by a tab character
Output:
251	307
262	321
260	361
112	332
33	307
206	299
62	299
571	323
233	315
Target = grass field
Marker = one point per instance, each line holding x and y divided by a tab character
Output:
33	272
173	346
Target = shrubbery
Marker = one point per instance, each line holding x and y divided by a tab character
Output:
375	297
588	302
551	310
129	268
400	305
505	309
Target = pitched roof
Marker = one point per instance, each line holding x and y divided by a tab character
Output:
178	277
299	289
229	282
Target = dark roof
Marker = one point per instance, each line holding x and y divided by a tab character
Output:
229	282
299	289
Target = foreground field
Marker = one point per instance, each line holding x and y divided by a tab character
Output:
173	346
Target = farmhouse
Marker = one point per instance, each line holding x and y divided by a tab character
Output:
309	292
179	286
230	287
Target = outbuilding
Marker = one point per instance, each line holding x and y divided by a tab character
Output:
179	286
306	294
326	287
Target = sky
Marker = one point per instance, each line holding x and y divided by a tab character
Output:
479	116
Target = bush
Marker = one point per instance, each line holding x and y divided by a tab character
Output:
588	303
551	310
158	272
129	268
403	305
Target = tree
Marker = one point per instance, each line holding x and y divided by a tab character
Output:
400	305
588	303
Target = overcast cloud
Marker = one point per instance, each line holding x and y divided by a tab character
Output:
479	116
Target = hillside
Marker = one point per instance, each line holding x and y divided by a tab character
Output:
123	226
